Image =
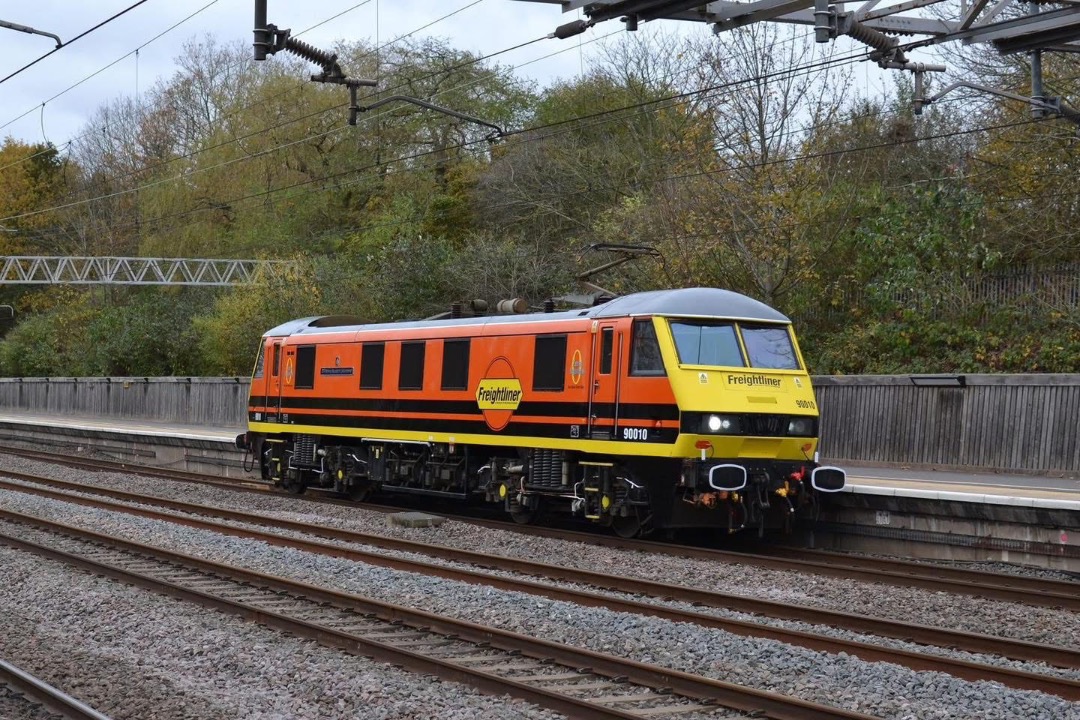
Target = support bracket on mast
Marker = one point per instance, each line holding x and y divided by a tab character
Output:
269	39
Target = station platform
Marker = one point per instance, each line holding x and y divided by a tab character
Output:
133	428
975	485
185	447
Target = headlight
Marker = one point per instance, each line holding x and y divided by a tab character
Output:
802	427
722	424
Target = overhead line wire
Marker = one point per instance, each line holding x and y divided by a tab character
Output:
375	166
677	96
267	151
320	112
231	114
332	17
60	47
287	122
372	226
308	115
593	116
103	69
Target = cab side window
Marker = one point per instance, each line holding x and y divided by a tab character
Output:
645	356
607	349
259	363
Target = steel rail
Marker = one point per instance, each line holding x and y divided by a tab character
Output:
970	642
53	699
900	573
149	471
907	567
728	695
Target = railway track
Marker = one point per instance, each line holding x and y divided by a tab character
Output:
655	591
21	692
577	682
899	573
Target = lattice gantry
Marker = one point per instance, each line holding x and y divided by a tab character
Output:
42	270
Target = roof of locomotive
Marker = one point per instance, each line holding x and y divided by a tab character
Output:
699	303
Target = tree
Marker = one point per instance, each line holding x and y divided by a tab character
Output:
758	210
31	178
598	143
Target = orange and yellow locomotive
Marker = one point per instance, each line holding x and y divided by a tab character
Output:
665	409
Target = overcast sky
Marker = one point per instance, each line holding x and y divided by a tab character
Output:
481	27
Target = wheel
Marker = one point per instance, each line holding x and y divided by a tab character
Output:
525	515
633	525
359	492
627	527
294	485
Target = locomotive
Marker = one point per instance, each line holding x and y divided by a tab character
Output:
684	408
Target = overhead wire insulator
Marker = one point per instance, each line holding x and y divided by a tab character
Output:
326	60
269	40
571	29
886	47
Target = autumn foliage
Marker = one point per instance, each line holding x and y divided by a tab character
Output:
883	234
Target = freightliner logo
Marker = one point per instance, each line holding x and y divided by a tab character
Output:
754	381
498	394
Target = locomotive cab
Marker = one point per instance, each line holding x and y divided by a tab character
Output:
748	426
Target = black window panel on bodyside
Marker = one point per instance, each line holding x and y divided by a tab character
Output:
455	365
549	362
411	376
371	366
305	367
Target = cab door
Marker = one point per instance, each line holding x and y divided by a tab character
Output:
272	401
604	372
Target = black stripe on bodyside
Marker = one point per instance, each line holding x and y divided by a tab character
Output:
515	429
457	407
628	411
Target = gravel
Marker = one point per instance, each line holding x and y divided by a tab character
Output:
133	654
991	566
14	707
875	688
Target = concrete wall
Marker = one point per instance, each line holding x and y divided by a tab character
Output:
1008	422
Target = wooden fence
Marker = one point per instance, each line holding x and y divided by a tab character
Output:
1005	422
214	402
